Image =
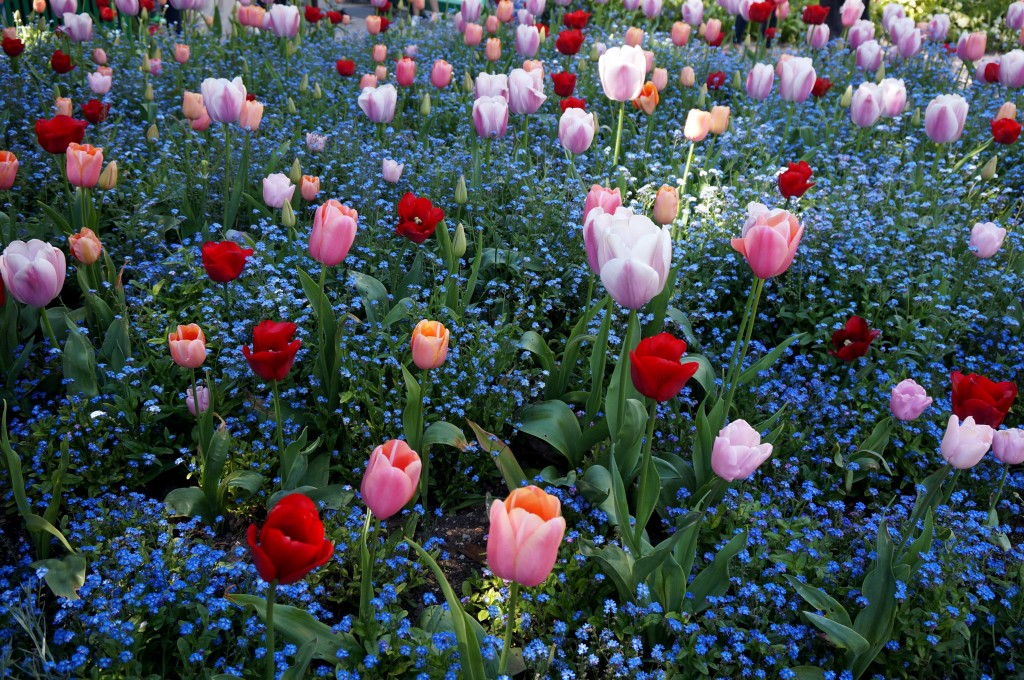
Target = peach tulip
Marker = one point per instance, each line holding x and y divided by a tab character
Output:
429	344
85	246
8	169
188	346
525	533
84	165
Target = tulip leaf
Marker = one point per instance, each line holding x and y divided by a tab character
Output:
876	620
669	585
438	619
713	580
621	505
243	479
117	345
299	627
533	342
555	423
503	456
64	576
841	636
616	564
808	673
598	360
333	496
188	501
675	474
820	600
215	457
79	362
443	432
572	349
596	487
683	321
297	671
647	493
373	294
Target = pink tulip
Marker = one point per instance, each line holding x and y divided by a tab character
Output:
680	33
99	83
666	205
692	12
491	24
851	12
869	56
659	78
368	80
129	8
505	10
908	400
378	103
391	170
8	169
223	98
965	444
487	85
283	20
769	240
1008	446
527	41
782	10
866	105
796	79
490	116
687	77
945	117
1011	69
817	36
525	91
536	7
334	230
85	246
760	81
473	35
182	53
429	344
198	401
405	72
277	190
381	73
861	32
651	8
470	10
894	97
62	7
99	57
78	27
622	71
492	49
525	533
441	74
633	255
576	130
891	13
251	15
309	187
608	200
391	478
251	115
202	122
1015	16
986	239
713	30
971	46
698	125
738	451
84	165
33	273
907	37
634	36
938	27
380	52
373	24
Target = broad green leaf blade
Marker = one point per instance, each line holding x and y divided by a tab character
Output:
555	423
841	636
64	576
443	432
822	601
503	457
299	627
713	580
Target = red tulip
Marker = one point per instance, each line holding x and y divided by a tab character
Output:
569	42
815	15
655	368
95	111
573	103
224	260
1005	130
334	17
107	14
346	67
417	218
55	134
978	397
761	12
991	72
565	83
716	79
273	350
12	46
313	14
577	20
60	62
852	340
793	182
821	86
291	542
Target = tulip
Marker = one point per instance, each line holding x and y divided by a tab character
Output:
78	27
309	187
526	91
192	106
713	32
429	344
378	103
291	543
632	254
368	80
391	170
277	190
576	130
769	240
85	246
687	77
634	36
405	72
380	52
490	116
8	169
986	239
893	94
609	200
1015	16
866	105
760	81
62	106
861	32
505	10
84	164
182	53
692	12
971	46
622	71
698	125
381	73
738	451
908	400
487	85
527	40
1008	446
938	27
197	400
391	478
334	230
251	115
223	98
986	401
891	13
473	35
441	74
525	533
719	119
99	57
647	101
1011	69
666	205
273	350
680	33
33	272
945	117
817	36
99	83
251	15
850	12
283	20
188	346
62	7
796	79
492	50
965	444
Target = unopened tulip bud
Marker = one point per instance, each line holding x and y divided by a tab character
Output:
461	195
157	54
62	106
296	172
108	178
317	92
467	83
291	47
144	15
915	120
304	83
459	242
56	92
881	72
847	97
153	133
291	107
737	81
287	215
145	68
666	205
204	168
702	99
148	96
595	54
988	171
425	104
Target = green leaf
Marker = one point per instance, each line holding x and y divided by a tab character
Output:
713	580
876	620
808	673
215	458
822	601
117	345
35	523
299	627
438	619
412	416
556	423
616	564
683	321
374	296
64	576
598	360
297	671
503	456
621	505
243	479
841	636
188	501
669	585
534	343
647	493
443	432
14	468
572	349
922	544
79	362
765	362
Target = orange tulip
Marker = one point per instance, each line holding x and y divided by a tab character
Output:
85	246
429	344
648	99
188	346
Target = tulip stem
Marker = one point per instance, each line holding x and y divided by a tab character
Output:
742	343
618	134
367	553
513	601
652	416
682	189
48	327
227	174
999	490
271	662
280	430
